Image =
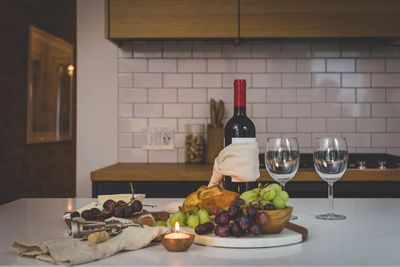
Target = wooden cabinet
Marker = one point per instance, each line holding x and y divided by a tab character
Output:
171	19
319	18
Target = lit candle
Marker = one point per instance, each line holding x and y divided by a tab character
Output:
176	234
176	241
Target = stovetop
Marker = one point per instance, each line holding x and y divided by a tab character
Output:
356	161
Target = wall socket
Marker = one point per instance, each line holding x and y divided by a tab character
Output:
158	139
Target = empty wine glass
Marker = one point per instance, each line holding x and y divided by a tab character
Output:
330	162
282	159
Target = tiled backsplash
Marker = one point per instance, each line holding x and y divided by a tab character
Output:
301	89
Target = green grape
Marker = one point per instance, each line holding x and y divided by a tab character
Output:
193	221
284	195
187	214
179	217
276	187
264	202
278	203
160	223
249	196
203	216
256	190
268	193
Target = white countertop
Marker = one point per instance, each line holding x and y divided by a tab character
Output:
370	236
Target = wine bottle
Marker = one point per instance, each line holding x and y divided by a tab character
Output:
239	129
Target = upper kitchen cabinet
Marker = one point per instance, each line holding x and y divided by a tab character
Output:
171	19
319	18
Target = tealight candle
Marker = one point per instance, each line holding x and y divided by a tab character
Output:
176	241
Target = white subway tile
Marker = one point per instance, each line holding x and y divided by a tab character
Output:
370	65
324	135
131	125
162	95
267	80
181	155
325	50
125	110
311	65
341	125
281	125
326	110
225	95
356	110
296	80
370	95
147	110
178	110
279	95
134	155
256	95
139	139
221	65
207	80
183	122
177	50
180	140
393	125
125	140
341	65
389	140
340	95
251	65
311	125
177	80
207	50
125	51
392	65
163	123
371	125
296	110
230	50
356	80
385	79
147	50
386	110
393	95
296	50
393	151
265	50
192	65
303	139
125	80
167	156
261	138
378	50
311	95
132	65
325	80
162	65
358	139
359	49
260	124
147	80
281	65
267	110
190	95
228	79
132	95
201	110
371	150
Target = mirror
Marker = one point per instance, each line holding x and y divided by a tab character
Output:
50	88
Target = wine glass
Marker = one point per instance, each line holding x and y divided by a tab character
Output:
330	162
282	159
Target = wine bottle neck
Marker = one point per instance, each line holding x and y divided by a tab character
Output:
240	94
239	111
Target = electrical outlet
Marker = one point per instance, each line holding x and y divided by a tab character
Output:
159	139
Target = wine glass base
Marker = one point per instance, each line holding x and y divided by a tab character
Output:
330	216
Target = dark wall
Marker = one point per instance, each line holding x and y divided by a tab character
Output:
39	170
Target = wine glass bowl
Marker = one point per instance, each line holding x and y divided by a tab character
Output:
330	162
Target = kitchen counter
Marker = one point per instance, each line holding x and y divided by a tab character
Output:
369	236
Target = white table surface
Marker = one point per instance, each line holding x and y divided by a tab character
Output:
370	236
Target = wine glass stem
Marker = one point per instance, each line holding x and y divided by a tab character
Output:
330	196
283	186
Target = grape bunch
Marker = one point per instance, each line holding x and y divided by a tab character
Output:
239	219
268	197
191	219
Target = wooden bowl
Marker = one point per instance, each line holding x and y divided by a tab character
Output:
277	220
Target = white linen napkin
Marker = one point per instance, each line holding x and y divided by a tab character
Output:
240	161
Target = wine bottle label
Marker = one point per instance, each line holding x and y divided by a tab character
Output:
238	140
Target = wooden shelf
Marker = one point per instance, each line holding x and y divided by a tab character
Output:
162	172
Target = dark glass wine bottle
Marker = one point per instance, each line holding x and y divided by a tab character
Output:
239	129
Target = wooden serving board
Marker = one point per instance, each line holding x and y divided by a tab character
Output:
292	234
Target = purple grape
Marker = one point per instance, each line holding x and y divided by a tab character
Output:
252	210
243	222
127	212
222	218
216	211
210	226
262	218
255	229
222	230
118	211
109	204
204	228
74	214
239	202
137	206
235	229
121	203
269	206
234	211
95	211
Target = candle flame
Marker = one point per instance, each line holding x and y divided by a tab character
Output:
177	227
